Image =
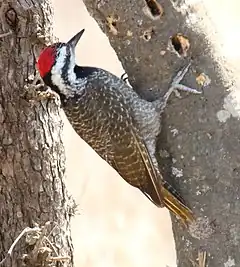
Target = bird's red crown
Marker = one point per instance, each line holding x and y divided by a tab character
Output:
46	60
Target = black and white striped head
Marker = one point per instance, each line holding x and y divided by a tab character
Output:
56	65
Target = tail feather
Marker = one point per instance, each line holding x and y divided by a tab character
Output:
172	190
170	199
177	207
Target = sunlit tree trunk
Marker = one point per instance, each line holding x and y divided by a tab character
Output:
203	146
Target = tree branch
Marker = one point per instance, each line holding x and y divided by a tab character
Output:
152	42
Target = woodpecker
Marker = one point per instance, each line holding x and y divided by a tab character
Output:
112	118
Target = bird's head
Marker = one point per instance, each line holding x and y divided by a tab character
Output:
56	59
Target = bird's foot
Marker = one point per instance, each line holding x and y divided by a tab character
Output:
161	104
176	85
124	77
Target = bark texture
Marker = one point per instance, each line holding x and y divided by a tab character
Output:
32	159
205	149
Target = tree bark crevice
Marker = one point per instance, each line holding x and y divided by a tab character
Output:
32	158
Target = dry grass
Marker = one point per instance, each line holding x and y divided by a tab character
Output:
202	256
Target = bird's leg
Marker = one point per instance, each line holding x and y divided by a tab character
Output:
161	104
175	85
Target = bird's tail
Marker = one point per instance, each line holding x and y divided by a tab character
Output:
170	199
176	205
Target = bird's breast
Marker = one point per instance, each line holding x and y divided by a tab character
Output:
90	125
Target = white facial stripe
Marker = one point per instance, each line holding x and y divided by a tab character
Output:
57	72
74	85
71	74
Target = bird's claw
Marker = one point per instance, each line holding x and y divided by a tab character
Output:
124	77
178	78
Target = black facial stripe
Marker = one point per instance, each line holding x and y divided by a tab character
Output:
66	66
48	81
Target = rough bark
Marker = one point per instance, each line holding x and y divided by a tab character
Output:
32	159
205	149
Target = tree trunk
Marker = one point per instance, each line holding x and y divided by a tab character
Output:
32	160
205	148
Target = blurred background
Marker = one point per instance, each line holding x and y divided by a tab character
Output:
117	226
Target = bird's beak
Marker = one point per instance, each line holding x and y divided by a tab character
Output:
74	40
